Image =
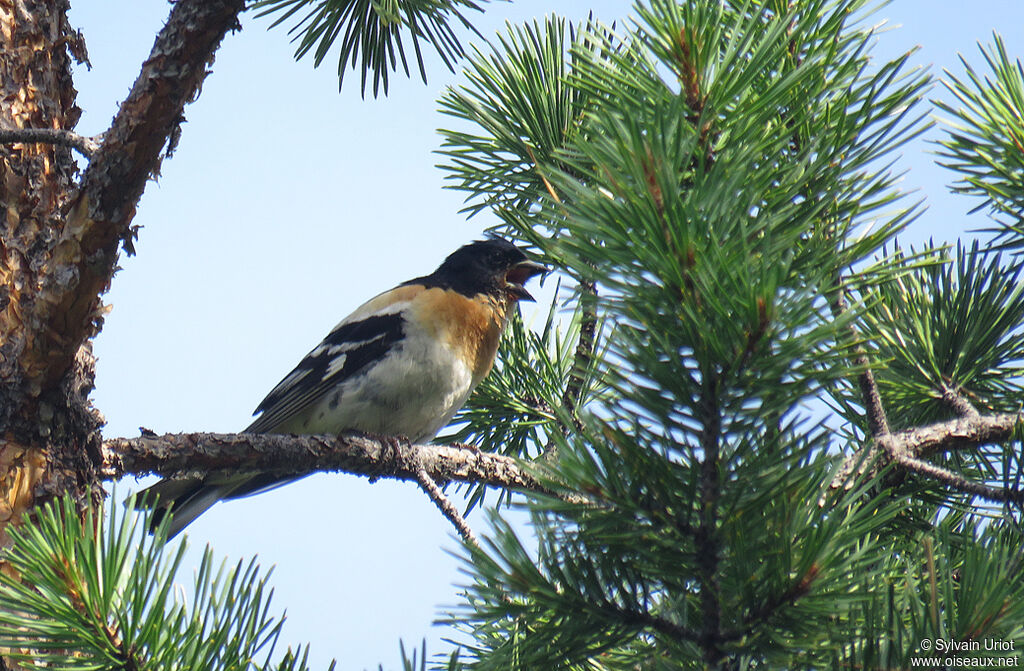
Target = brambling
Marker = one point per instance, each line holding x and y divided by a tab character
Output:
401	365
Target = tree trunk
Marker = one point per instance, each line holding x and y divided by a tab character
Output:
61	235
49	435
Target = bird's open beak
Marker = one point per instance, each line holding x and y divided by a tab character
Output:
521	273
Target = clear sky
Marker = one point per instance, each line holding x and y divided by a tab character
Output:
286	205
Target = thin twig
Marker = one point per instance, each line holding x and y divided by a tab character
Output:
759	615
878	423
906	448
86	146
645	619
957	481
573	394
428	485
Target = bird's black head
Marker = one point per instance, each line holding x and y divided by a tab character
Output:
494	266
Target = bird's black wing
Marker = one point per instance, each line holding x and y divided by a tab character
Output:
348	350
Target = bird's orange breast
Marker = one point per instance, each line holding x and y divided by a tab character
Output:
470	326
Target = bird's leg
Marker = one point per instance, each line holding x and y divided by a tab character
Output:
391	460
396	443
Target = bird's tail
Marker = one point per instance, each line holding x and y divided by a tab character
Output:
184	499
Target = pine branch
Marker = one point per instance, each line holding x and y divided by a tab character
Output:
878	423
130	154
955	433
573	394
444	504
763	612
957	481
584	351
958	402
645	619
177	454
708	546
907	448
86	146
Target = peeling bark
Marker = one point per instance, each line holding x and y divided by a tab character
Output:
36	183
59	239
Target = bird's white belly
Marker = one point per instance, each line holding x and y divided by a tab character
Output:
413	392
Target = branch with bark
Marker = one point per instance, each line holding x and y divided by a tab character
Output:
61	238
878	424
181	454
189	454
86	146
909	447
119	168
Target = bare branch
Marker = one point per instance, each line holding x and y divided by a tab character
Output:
908	447
878	423
86	146
958	402
130	154
955	433
957	481
428	485
180	454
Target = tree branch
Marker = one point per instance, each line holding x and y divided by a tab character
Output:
100	218
584	351
86	146
706	538
443	504
180	454
573	394
908	447
961	432
758	616
958	402
957	481
645	619
878	423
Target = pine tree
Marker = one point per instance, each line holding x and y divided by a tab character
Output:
765	436
742	477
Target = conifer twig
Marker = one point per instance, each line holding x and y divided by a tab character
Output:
86	146
444	504
706	540
878	423
958	402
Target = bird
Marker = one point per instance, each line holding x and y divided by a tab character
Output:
401	365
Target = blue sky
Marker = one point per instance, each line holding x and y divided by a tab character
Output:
286	205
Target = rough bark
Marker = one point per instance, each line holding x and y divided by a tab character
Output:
38	417
60	239
185	454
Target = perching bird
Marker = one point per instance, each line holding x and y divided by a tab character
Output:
401	365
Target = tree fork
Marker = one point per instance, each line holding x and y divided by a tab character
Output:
60	240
